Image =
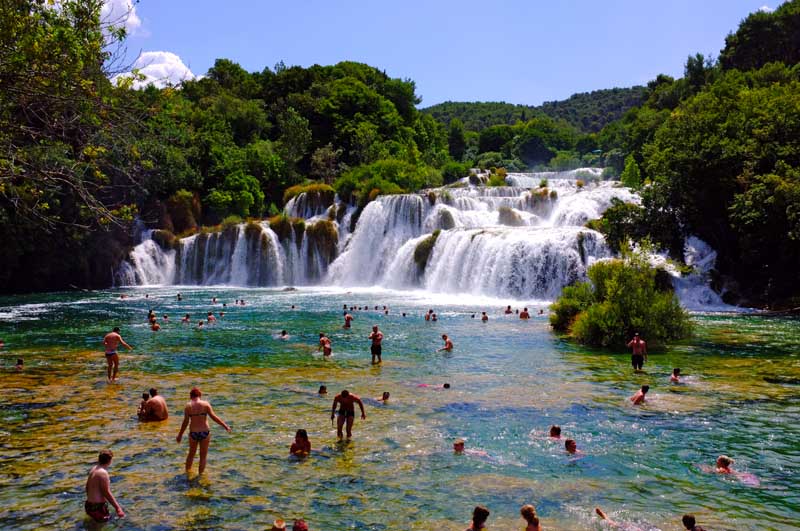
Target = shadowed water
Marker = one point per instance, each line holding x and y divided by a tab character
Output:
510	381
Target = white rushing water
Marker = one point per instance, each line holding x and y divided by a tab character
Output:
524	241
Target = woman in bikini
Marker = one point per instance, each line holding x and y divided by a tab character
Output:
197	412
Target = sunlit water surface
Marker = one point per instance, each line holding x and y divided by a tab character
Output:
510	381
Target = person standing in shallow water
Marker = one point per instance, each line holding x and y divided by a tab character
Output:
196	413
639	355
98	490
479	516
347	411
112	340
325	345
377	337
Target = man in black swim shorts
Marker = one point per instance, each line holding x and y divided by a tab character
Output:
639	355
347	411
377	337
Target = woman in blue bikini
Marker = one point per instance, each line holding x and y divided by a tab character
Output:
197	412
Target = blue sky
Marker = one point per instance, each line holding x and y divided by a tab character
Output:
515	51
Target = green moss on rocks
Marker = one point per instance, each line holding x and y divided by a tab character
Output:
423	250
323	193
324	236
165	239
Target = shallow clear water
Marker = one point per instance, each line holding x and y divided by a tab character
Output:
510	381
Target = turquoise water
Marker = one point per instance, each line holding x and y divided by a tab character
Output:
510	381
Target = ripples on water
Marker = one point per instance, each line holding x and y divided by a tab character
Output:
510	381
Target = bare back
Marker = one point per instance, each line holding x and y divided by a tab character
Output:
112	341
197	412
97	484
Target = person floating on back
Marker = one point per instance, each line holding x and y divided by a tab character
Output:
639	355
638	398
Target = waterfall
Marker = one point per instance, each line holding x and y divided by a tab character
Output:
525	240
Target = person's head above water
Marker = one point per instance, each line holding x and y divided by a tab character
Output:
446	386
323	390
145	396
676	371
570	446
301	434
116	329
689	521
645	388
195	393
153	391
724	461
283	332
555	431
385	395
444	336
458	445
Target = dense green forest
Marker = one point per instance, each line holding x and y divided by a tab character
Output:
714	153
588	112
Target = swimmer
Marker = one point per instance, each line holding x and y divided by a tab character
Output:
571	447
211	318
154	326
347	319
375	349
690	523
433	317
300	525
166	317
224	304
200	325
473	316
221	315
112	341
404	314
301	446
344	309
213	300
98	490
508	310
448	344
278	525
616	525
385	312
528	512
443	386
675	377
346	412
186	319
555	432
20	364
196	413
524	314
479	516
283	335
180	298
323	390
484	317
639	355
724	465
458	449
541	312
384	397
325	345
428	315
293	307
638	398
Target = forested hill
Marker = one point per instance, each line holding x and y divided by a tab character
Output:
588	112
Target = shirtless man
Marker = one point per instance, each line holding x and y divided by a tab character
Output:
448	344
508	310
347	319
325	345
524	314
98	490
428	315
675	377
555	432
156	407
638	398
484	317
639	355
186	319
211	318
376	336
112	342
347	411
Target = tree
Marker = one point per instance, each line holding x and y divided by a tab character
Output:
631	176
456	140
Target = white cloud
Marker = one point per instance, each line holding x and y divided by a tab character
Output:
121	13
160	69
766	9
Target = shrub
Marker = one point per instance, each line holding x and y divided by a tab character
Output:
230	222
180	207
553	195
543	183
423	250
453	171
579	183
165	239
496	180
324	192
282	225
624	297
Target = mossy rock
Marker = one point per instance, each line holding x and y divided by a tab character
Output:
432	197
423	250
446	221
324	236
252	230
318	193
282	225
507	216
165	239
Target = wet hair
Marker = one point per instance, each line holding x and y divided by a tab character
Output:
303	434
145	396
404	314
321	334
20	362
300	525
283	332
376	307
153	391
458	442
374	327
473	316
386	395
479	515
645	388
444	336
676	371
105	457
724	460
570	443
116	329
446	386
322	388
555	430
385	312
689	521
199	323
528	512
210	313
188	316
195	393
526	311
345	393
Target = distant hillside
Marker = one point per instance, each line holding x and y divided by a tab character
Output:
588	111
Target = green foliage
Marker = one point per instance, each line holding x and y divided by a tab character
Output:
324	236
325	192
764	37
456	139
165	239
389	176
623	298
453	171
422	251
565	160
240	195
182	211
631	176
620	222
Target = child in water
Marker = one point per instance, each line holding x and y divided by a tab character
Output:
675	377
301	446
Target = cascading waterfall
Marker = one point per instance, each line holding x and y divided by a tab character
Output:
526	240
